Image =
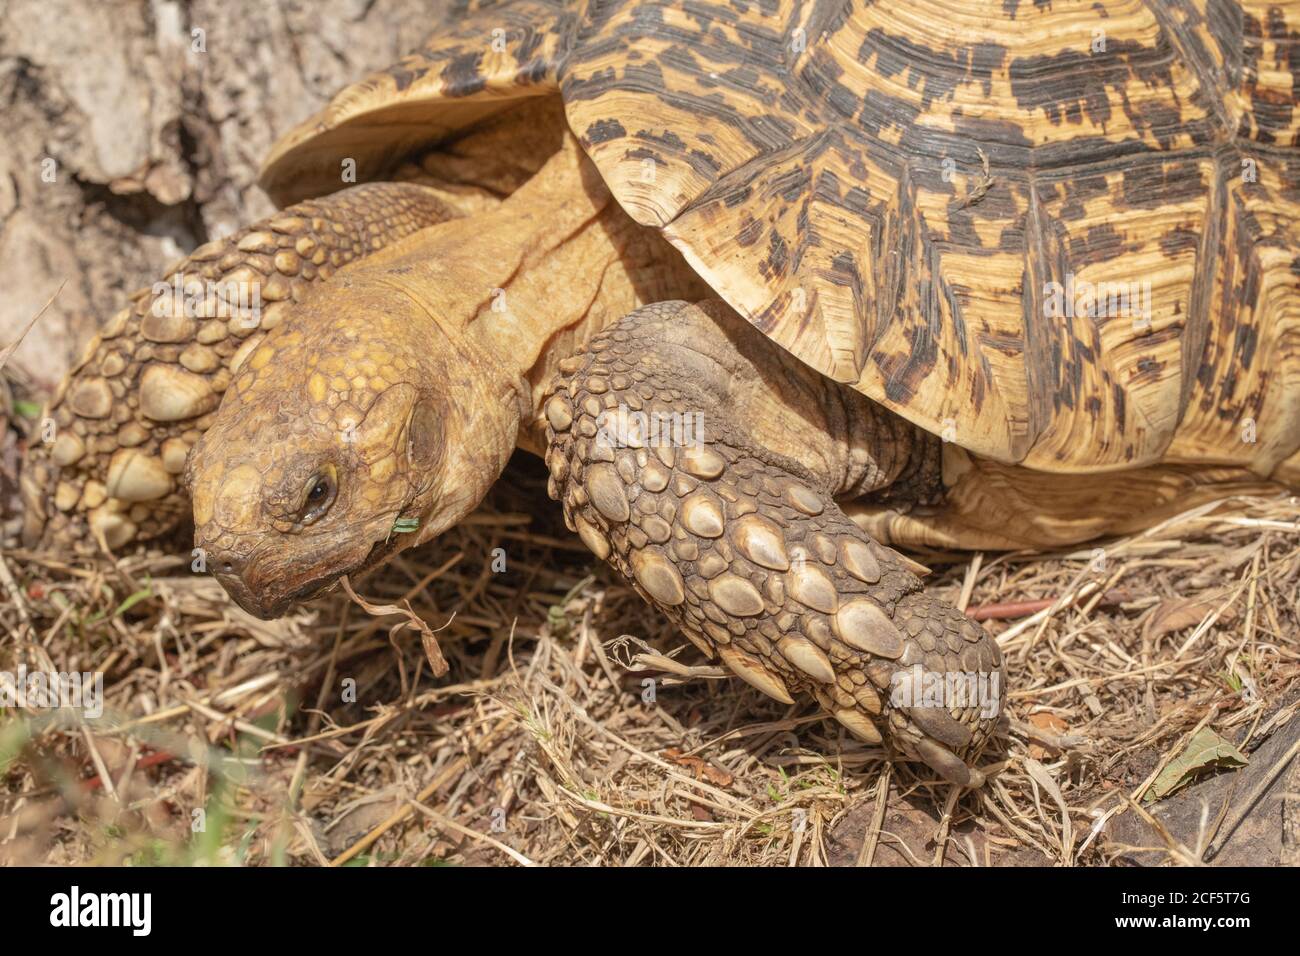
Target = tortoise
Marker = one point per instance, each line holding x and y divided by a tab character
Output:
774	288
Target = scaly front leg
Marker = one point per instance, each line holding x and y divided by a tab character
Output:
745	550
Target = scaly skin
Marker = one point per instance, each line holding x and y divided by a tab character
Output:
407	382
381	411
746	551
147	386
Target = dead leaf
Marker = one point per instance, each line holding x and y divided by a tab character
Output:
1043	777
432	651
1206	751
700	768
1178	613
1053	725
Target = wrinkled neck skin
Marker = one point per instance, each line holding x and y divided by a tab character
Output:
504	296
402	386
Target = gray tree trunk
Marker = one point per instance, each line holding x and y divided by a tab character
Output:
131	132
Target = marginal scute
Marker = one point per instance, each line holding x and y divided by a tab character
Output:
243	352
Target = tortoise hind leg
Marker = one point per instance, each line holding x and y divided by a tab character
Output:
123	420
747	552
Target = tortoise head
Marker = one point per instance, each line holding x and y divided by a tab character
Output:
325	458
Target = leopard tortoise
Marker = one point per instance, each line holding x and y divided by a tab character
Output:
772	285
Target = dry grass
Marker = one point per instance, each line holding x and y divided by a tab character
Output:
544	745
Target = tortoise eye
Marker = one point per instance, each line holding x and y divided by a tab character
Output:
318	496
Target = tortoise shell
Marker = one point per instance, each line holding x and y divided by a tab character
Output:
1061	235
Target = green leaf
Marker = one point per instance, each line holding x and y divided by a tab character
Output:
405	525
1206	751
558	620
130	601
27	409
14	734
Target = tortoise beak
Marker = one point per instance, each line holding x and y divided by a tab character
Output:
267	588
255	604
268	603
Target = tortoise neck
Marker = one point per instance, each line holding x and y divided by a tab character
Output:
522	285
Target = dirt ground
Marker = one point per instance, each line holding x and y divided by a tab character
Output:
574	727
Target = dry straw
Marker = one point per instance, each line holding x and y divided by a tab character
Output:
544	744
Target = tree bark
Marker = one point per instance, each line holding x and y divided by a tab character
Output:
131	132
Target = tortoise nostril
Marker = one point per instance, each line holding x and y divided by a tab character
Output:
225	563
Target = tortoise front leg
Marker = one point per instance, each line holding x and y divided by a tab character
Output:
746	551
